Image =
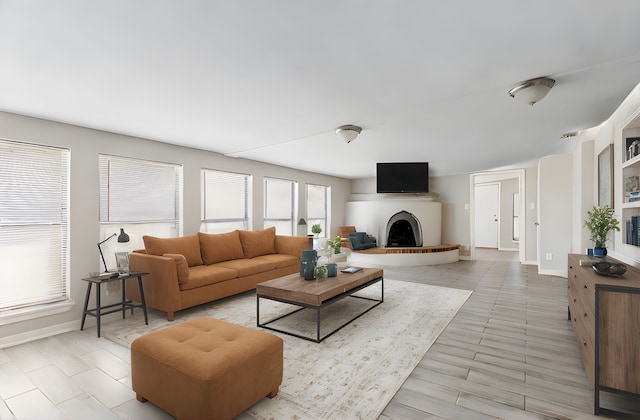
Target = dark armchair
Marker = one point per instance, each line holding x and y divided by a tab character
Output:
360	241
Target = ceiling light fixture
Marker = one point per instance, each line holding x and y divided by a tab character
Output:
348	133
532	91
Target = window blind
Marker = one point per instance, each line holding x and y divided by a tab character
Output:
225	196
34	213
317	207
279	201
138	191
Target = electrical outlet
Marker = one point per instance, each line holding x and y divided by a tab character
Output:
113	287
549	256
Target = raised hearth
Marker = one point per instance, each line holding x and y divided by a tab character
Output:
399	256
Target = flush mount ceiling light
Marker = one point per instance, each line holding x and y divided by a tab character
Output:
532	91
348	133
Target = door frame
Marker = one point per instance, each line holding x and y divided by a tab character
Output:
495	176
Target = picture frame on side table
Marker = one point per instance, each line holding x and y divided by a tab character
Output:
122	262
605	177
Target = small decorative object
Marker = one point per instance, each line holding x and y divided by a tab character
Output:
122	261
316	229
123	237
332	270
320	271
335	244
599	222
607	268
308	260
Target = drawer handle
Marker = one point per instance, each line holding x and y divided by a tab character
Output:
584	342
585	286
585	314
575	300
574	320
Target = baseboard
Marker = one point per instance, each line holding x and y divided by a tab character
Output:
14	340
557	273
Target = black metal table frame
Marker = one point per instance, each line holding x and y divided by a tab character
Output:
597	388
125	304
328	302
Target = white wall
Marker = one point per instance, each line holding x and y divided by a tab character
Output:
508	187
531	215
584	173
454	195
555	210
85	145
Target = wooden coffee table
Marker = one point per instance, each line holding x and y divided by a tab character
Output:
317	295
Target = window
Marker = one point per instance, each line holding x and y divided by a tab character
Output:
225	201
34	213
279	204
140	196
318	205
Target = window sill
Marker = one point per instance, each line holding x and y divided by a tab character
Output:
25	314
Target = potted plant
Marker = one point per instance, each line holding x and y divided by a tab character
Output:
335	244
316	229
334	248
599	222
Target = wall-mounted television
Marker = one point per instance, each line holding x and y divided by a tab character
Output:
402	177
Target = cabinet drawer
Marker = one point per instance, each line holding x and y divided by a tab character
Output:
584	339
581	288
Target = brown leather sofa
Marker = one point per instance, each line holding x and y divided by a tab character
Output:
196	269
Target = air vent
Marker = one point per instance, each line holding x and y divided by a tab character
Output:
569	135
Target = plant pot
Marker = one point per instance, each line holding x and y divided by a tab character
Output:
599	251
332	270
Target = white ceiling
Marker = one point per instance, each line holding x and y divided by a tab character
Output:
270	80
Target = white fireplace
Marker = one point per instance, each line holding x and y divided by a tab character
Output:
372	214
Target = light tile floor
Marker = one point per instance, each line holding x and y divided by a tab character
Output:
507	354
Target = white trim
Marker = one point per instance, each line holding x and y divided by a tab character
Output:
32	312
557	273
14	340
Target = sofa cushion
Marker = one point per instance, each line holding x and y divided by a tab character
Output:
292	245
247	267
203	275
279	260
189	246
258	242
182	267
217	247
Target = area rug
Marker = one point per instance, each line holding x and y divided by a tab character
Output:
352	374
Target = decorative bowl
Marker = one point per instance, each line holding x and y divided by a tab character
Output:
607	268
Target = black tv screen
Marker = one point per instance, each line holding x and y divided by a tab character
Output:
405	177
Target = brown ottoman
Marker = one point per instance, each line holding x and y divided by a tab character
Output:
206	368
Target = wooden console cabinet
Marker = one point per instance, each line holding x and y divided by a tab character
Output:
605	313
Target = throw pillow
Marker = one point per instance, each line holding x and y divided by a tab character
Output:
258	242
181	266
218	247
189	246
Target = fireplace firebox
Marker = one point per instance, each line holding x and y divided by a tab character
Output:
404	230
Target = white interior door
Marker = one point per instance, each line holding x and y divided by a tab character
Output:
486	215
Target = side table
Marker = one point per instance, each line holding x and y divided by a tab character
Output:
125	304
